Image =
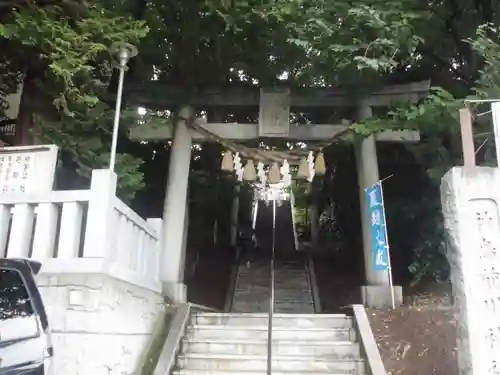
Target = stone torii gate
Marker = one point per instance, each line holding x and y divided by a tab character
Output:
274	122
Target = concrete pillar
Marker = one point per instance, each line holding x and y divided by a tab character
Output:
314	222
235	210
294	223
215	232
184	243
376	293
100	215
470	200
175	220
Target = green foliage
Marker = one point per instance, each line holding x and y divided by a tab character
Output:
486	44
437	118
71	49
339	36
10	79
65	52
85	139
422	218
435	114
334	42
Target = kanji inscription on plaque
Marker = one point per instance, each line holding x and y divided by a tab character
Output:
274	113
27	169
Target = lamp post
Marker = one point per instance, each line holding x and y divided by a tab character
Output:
125	52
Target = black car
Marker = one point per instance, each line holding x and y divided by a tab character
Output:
25	342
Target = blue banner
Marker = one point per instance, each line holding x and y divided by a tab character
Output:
380	247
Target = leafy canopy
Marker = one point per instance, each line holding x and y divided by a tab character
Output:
67	70
333	37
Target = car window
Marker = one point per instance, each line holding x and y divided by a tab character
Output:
17	315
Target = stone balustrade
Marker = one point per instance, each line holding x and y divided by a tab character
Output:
71	228
100	272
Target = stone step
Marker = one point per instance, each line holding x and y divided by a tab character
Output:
303	294
279	320
250	307
254	293
323	349
293	297
259	363
292	308
225	372
221	332
292	289
245	281
252	271
299	276
282	308
281	293
252	298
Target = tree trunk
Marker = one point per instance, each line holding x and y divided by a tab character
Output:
24	125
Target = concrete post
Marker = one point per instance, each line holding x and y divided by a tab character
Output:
376	293
314	222
175	213
100	214
235	210
184	243
470	199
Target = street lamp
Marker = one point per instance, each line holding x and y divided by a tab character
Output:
125	52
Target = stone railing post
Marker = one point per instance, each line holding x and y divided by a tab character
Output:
156	224
99	218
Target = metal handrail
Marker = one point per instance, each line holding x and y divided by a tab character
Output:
271	298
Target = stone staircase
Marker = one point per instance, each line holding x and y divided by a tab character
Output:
293	292
302	343
236	344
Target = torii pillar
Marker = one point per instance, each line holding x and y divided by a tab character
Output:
175	214
377	292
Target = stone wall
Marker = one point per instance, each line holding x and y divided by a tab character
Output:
100	325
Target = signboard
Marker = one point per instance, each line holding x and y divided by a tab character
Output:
274	113
380	245
27	170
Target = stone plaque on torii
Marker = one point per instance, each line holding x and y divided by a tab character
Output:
274	113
